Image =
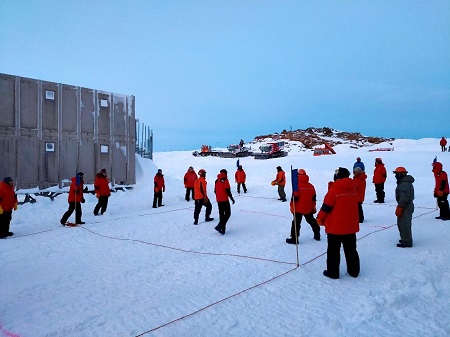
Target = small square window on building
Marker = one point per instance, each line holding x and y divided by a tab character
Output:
49	147
49	95
104	149
104	103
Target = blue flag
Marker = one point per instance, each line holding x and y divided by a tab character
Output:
237	163
78	179
435	159
294	175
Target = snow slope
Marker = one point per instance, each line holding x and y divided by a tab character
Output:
139	271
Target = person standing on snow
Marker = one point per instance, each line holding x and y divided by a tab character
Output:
303	204
8	203
441	191
404	195
102	191
443	143
240	178
359	178
189	180
359	164
75	199
159	188
379	178
201	197
280	181
339	215
222	190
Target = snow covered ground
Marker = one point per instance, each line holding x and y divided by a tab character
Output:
139	271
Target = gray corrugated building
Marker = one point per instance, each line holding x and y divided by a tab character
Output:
49	131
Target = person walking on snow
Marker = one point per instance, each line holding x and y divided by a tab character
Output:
223	196
339	215
8	203
404	195
280	181
443	143
75	199
359	178
379	178
189	180
303	204
240	178
201	197
441	191
102	191
159	188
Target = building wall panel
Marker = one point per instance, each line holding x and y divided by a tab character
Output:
7	84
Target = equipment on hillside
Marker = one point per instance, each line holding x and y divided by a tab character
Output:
206	151
325	150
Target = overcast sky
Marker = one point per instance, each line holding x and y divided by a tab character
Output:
213	72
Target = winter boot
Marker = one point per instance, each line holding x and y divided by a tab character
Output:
209	219
291	241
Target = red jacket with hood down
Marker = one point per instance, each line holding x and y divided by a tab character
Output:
339	211
101	186
360	184
189	179
305	196
222	188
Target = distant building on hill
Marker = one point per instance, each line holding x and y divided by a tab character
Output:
49	131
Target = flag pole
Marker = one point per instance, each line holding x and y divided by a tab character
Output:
294	188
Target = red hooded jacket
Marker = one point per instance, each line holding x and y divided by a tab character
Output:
101	186
306	196
339	211
76	191
189	179
159	182
360	184
379	174
440	178
240	176
8	198
222	188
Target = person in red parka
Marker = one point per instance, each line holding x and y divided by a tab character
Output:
222	190
339	215
189	180
359	178
159	188
379	178
75	199
303	204
102	191
443	144
8	203
441	191
280	181
240	178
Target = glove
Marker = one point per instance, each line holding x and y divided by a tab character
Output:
314	210
273	183
164	189
85	189
232	200
1	210
205	200
15	206
440	193
319	221
83	201
399	211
